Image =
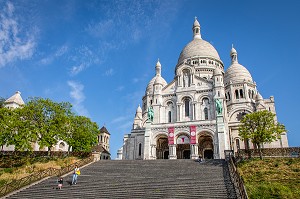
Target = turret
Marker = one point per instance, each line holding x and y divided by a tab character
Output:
196	29
137	123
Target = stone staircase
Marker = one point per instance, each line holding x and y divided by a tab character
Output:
140	179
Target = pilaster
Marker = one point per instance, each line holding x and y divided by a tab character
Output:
147	148
172	151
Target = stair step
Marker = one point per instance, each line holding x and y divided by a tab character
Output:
140	179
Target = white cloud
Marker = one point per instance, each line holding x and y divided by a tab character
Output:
119	119
83	57
58	53
14	43
77	69
61	51
120	88
78	97
101	29
126	126
109	72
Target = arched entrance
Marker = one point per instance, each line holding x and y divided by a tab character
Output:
162	148
206	147
183	150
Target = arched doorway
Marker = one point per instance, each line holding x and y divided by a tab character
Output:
206	147
183	150
162	148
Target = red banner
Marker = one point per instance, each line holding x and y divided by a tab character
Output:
171	135
193	134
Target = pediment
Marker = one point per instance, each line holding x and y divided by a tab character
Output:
170	88
203	83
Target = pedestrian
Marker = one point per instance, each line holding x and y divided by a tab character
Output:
75	174
60	183
200	159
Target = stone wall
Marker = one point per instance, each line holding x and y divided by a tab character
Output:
270	152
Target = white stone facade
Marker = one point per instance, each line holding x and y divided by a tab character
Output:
188	104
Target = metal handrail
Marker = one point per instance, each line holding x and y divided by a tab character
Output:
17	184
236	178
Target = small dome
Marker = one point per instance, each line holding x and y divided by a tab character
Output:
160	80
217	71
158	63
237	73
198	48
233	51
15	99
196	22
154	80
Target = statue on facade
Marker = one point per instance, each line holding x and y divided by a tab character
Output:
219	106
186	80
150	113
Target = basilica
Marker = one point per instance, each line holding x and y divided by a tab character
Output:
197	114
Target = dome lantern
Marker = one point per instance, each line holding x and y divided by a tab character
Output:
158	68
233	55
196	29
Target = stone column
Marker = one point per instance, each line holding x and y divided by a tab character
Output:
147	148
194	110
172	151
153	152
178	112
194	151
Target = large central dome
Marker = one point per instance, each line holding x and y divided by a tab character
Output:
198	48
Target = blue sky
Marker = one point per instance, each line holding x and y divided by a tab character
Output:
100	55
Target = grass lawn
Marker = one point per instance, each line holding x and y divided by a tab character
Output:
271	177
30	166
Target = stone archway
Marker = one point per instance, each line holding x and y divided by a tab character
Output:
162	148
183	150
205	146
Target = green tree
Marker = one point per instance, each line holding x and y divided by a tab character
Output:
260	127
2	100
16	129
82	134
49	120
5	125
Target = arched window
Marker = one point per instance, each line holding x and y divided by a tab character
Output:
252	94
187	107
228	96
101	140
236	94
140	149
205	101
205	113
241	93
237	141
249	93
61	145
169	116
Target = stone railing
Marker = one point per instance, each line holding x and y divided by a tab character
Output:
17	184
235	176
44	153
270	152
